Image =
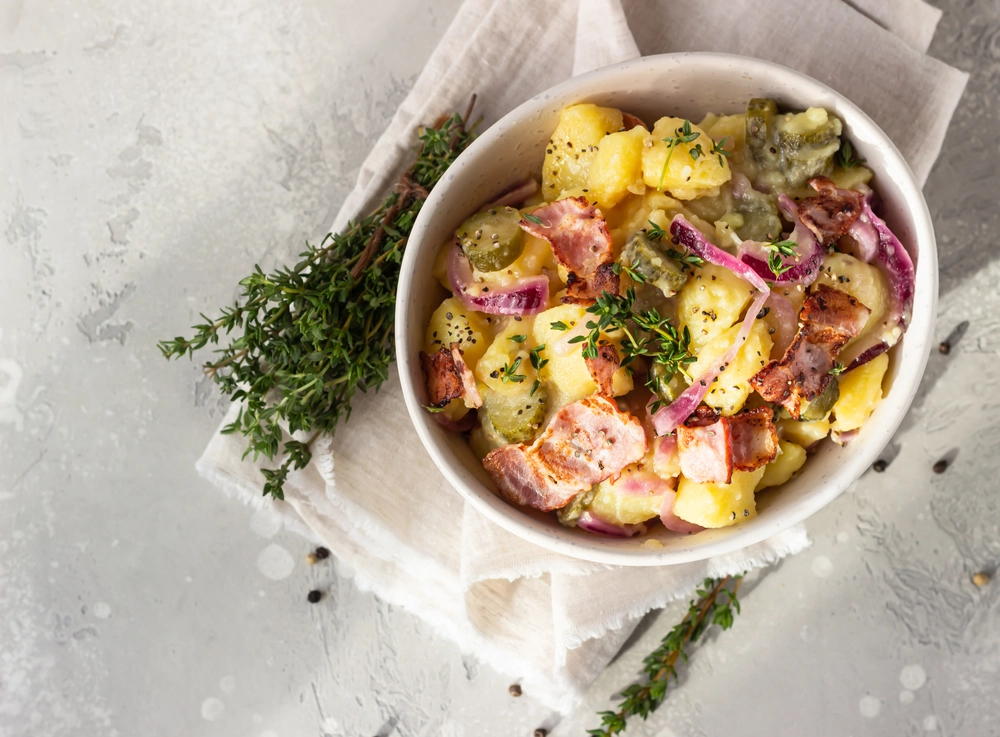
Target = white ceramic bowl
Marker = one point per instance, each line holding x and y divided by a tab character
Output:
687	86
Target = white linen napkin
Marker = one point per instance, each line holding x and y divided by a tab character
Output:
374	497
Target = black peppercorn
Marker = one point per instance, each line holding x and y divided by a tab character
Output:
515	689
322	553
941	466
314	596
879	466
540	732
945	347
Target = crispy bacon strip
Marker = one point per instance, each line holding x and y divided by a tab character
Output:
630	121
755	439
602	369
832	212
581	242
448	377
469	390
585	443
712	447
706	450
829	319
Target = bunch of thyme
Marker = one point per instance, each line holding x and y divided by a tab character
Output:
308	337
715	605
778	251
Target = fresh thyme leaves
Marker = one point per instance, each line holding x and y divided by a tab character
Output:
838	369
718	150
535	356
534	387
518	338
684	134
780	250
648	335
716	603
618	267
696	152
311	335
655	232
434	410
846	157
508	373
533	219
558	325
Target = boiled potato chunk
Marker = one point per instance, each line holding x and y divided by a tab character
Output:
867	284
712	301
573	147
730	391
506	352
791	458
568	379
718	505
732	128
451	323
686	170
624	509
860	392
803	433
617	167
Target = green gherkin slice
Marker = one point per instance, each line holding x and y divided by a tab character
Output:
516	417
569	514
667	386
492	239
645	258
818	408
761	113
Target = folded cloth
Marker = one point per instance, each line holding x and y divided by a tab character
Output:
374	497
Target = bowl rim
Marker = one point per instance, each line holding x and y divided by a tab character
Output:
905	383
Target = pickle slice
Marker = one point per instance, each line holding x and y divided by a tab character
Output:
667	386
761	113
818	408
516	417
645	258
492	239
569	514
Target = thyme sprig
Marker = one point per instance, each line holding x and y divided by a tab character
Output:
846	157
687	259
684	134
309	336
716	603
780	250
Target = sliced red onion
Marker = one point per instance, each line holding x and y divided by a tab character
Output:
865	236
592	523
669	418
892	258
843	438
808	258
671	521
786	319
466	423
527	296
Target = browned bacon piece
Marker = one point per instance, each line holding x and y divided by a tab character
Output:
448	377
630	121
829	318
712	447
830	213
755	439
585	443
602	369
581	242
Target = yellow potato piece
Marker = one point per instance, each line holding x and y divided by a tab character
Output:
674	169
573	146
711	301
624	509
730	391
451	323
568	379
504	352
803	433
860	393
718	505
617	167
790	459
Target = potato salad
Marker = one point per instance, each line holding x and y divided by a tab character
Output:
670	321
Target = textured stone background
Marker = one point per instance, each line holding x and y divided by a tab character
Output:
150	155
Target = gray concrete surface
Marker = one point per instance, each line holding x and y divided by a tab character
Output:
150	154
